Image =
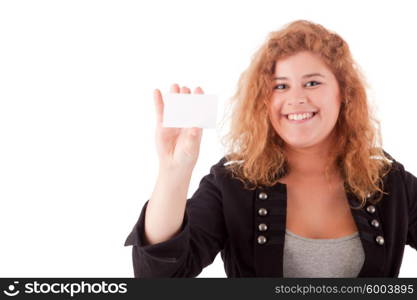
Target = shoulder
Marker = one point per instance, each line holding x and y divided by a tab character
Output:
401	183
397	168
221	174
387	157
223	162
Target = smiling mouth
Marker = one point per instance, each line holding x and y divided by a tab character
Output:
301	120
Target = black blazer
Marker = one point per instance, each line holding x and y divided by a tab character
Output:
223	216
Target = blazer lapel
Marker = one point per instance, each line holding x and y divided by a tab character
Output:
369	225
270	208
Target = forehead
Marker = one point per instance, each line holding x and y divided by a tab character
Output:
299	64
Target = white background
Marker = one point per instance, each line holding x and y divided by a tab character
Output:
77	150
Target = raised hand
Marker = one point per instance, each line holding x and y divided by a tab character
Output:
177	148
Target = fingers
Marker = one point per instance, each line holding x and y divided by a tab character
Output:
159	103
198	90
175	88
185	90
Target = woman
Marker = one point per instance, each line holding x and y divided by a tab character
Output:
306	189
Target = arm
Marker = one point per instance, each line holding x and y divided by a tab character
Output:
410	182
200	237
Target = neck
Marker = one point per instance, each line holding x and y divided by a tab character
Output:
310	163
307	162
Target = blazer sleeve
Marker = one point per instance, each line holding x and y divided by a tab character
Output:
195	246
411	189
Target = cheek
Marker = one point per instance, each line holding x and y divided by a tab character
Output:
275	112
329	115
333	106
275	105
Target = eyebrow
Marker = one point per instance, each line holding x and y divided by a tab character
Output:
304	76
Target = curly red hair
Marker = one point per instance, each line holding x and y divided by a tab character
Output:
253	142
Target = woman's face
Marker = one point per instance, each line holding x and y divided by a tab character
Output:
304	84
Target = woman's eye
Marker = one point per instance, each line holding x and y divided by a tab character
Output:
313	83
280	86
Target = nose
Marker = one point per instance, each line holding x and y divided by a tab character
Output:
298	100
297	97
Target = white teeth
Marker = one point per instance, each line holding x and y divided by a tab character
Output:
300	116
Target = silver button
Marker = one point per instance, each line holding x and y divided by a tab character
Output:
262	212
375	223
263	196
370	209
380	240
262	227
261	239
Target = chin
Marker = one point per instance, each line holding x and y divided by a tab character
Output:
300	144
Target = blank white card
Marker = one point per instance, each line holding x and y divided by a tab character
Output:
189	110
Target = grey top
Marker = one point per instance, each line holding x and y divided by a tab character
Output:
306	257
